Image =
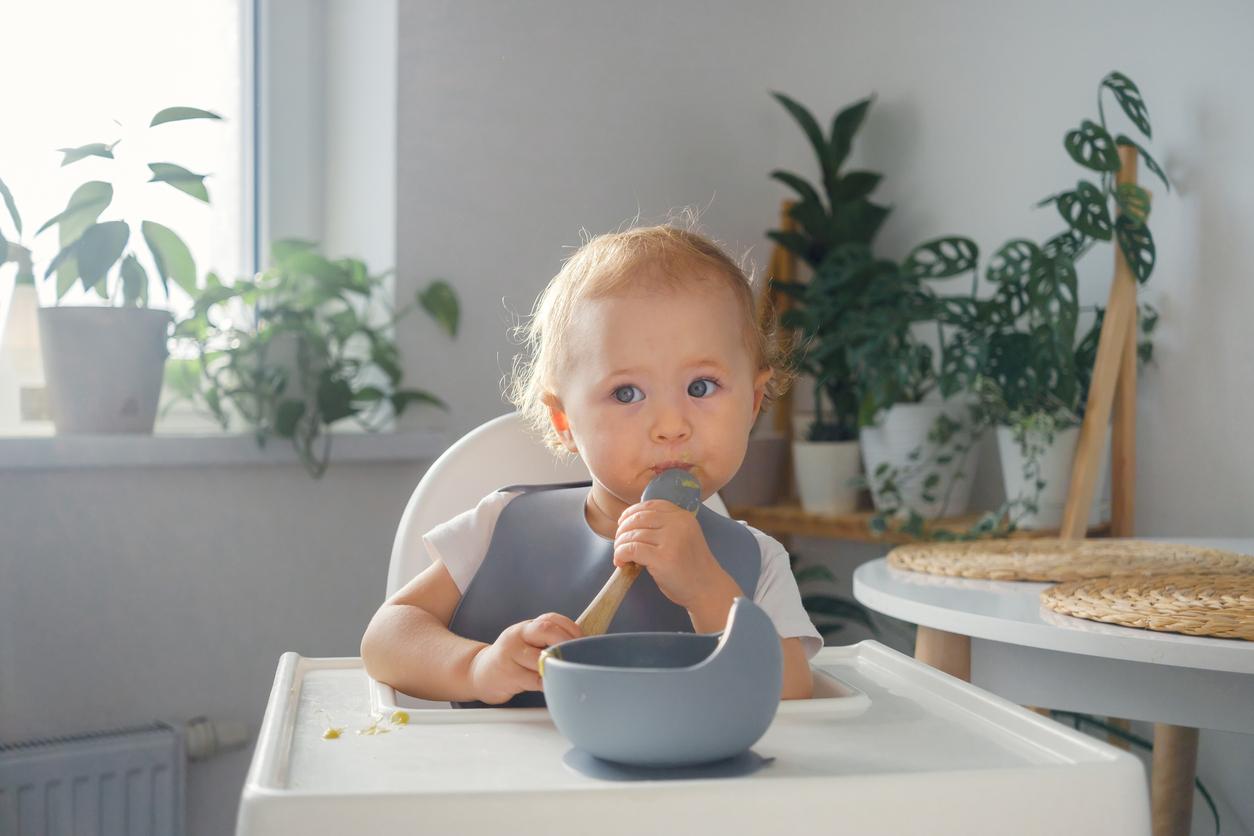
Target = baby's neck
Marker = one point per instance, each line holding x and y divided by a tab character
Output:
602	510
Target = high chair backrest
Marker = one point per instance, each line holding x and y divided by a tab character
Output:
501	452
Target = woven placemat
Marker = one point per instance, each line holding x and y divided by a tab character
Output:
1221	606
1064	560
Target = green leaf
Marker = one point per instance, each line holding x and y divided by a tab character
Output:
1137	245
814	573
797	244
1129	98
66	253
335	398
404	397
1068	243
343	324
172	257
287	416
369	394
309	263
845	125
1086	212
857	184
385	356
134	280
1145	155
1092	147
811	128
440	301
283	249
8	201
1012	262
182	376
942	258
181	179
1133	201
178	114
88	201
94	149
99	248
837	608
799	185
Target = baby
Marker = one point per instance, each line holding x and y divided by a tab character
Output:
645	353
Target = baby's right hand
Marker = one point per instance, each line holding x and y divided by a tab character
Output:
510	665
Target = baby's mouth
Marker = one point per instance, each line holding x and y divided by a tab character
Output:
671	465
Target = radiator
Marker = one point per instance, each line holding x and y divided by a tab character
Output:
127	782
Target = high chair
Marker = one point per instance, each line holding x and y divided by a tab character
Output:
500	452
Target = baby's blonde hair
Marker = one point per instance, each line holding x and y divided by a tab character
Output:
610	264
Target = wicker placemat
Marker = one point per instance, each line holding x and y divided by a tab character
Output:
1197	605
1064	560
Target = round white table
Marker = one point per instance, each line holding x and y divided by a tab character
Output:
995	634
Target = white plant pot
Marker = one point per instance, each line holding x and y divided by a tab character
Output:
103	367
1056	473
827	474
901	430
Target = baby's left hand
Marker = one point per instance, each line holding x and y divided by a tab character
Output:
667	540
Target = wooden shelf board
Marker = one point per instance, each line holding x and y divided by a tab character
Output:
793	520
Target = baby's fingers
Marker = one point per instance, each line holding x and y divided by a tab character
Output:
631	550
549	629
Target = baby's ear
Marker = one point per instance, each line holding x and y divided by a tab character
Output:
759	389
561	424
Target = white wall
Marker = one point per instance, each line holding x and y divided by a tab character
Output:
521	123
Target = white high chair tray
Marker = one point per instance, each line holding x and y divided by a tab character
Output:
832	696
926	754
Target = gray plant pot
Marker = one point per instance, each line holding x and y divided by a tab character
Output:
668	699
103	367
760	480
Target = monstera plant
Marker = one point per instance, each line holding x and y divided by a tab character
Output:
1023	351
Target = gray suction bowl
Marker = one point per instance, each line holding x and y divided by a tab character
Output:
668	699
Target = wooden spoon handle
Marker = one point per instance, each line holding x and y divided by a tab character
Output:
597	617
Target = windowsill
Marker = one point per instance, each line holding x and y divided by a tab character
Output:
64	452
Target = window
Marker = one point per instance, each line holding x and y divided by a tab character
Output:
82	71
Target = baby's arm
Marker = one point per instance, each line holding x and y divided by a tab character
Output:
409	646
798	681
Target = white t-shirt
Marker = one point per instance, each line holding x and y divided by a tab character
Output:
462	543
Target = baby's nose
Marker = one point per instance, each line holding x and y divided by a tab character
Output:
670	426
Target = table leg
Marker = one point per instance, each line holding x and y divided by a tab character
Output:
1171	782
1114	739
948	652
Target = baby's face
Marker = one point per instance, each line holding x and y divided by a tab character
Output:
659	379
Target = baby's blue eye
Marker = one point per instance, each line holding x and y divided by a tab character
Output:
702	387
628	394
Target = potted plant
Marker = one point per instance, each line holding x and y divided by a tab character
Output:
831	227
300	347
917	434
1033	362
103	364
